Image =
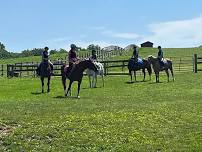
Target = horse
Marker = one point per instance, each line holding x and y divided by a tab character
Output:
141	64
157	67
44	71
94	75
76	74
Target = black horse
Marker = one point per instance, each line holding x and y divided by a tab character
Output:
44	71
76	74
135	66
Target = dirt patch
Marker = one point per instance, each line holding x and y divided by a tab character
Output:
5	130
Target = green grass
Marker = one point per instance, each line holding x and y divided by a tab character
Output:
142	116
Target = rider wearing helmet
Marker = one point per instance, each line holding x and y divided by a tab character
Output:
72	56
135	53
45	58
160	56
94	55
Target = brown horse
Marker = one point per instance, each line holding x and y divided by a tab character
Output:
132	66
157	67
76	74
44	71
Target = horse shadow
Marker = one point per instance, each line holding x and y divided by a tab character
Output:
68	97
92	88
129	82
155	82
36	93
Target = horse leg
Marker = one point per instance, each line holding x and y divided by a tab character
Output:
131	76
157	77
103	80
143	71
64	83
95	81
171	70
89	81
149	72
48	84
69	88
167	74
135	75
79	84
42	84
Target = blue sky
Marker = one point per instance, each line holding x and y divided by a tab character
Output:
27	24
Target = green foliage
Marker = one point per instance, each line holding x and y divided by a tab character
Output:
3	53
142	116
94	47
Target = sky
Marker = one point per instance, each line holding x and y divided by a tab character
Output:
27	24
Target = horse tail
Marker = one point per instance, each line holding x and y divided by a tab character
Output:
148	66
63	70
170	66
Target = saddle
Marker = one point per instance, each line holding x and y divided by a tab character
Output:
68	69
136	63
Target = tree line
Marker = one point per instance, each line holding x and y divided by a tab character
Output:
4	54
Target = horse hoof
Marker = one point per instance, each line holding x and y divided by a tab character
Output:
48	90
78	97
42	91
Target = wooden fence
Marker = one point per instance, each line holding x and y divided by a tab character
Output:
197	62
111	67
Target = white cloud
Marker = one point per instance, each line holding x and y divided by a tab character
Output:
183	33
126	35
120	35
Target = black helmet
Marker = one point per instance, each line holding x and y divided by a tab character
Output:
159	47
46	48
93	50
73	46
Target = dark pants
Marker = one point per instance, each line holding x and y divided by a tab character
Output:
46	62
161	62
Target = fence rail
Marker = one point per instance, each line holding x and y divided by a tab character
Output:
111	67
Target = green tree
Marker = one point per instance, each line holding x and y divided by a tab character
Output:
93	47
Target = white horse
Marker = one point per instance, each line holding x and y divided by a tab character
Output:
93	74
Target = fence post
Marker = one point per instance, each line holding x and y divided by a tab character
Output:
2	66
105	69
195	63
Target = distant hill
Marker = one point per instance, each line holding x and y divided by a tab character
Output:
129	47
112	48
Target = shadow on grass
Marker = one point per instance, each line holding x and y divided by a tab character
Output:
129	82
155	82
36	93
68	97
92	88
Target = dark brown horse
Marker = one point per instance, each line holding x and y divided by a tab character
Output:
133	66
44	71
76	74
157	67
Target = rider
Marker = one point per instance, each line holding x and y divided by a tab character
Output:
160	56
72	56
94	55
45	58
135	53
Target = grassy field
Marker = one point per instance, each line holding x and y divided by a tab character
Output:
142	116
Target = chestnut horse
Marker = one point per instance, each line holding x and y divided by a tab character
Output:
76	74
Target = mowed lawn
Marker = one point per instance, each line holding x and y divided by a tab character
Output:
142	116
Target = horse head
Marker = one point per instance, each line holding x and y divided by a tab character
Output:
90	65
151	59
